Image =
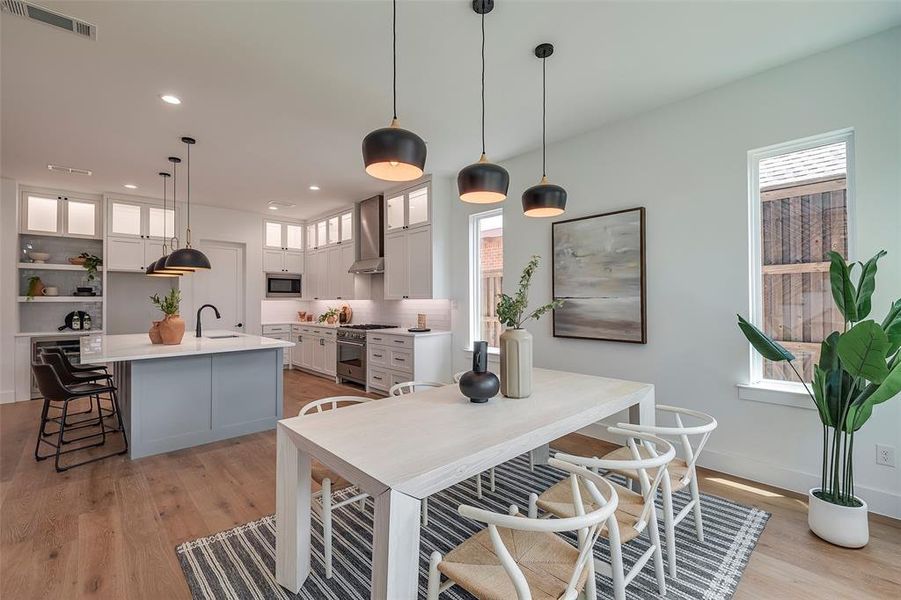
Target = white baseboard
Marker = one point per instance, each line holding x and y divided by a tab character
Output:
7	396
881	502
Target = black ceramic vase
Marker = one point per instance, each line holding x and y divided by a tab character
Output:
479	384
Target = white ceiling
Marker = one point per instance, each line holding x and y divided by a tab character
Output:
280	94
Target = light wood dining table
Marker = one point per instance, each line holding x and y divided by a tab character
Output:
404	448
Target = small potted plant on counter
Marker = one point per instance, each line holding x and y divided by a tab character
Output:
172	327
516	342
330	316
858	369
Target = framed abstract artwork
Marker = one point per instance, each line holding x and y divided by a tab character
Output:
599	273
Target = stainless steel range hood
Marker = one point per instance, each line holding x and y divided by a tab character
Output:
369	238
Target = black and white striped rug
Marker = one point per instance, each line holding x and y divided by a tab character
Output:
240	563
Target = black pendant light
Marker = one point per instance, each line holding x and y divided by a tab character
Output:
158	267
545	199
483	182
392	153
188	258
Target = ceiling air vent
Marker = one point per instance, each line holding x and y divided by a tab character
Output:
69	170
50	17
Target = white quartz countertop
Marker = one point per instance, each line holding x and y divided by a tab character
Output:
403	331
137	346
304	323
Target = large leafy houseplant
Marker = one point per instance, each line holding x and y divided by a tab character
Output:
859	368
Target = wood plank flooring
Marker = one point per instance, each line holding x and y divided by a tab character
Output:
109	529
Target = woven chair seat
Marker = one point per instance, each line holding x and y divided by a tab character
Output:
546	560
320	472
677	469
558	501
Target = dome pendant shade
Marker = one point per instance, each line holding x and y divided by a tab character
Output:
187	259
544	200
158	269
483	182
394	154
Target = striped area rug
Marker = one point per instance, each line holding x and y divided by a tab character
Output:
240	563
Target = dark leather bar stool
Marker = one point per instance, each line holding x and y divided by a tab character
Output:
55	391
75	374
61	366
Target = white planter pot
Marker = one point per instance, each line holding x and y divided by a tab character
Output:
516	363
840	525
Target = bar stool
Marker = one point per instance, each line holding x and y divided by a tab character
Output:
54	390
62	367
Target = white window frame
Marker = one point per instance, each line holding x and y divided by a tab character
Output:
758	388
475	283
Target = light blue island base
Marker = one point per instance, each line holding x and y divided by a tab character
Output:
182	401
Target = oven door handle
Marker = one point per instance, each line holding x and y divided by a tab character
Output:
359	344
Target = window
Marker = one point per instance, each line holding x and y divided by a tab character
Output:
486	235
799	212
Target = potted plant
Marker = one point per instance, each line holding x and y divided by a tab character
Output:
330	316
90	262
859	368
35	287
172	327
516	342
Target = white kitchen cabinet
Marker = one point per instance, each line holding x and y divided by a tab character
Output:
330	352
293	262
346	289
282	235
125	254
395	358
315	279
283	261
408	264
60	214
141	220
339	283
316	349
282	332
408	208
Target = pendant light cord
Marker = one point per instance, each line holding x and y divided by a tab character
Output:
175	241
164	214
394	56
188	229
543	117
483	84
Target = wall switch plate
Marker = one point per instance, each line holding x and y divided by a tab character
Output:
885	455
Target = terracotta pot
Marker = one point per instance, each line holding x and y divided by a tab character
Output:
172	330
331	320
36	288
516	363
155	337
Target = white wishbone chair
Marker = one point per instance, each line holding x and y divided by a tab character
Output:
330	482
522	557
635	513
408	387
682	472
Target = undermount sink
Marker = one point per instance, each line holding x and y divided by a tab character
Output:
221	336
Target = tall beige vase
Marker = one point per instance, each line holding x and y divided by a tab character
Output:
516	363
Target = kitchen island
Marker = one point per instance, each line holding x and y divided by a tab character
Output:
219	386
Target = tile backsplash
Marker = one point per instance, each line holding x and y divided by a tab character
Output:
388	312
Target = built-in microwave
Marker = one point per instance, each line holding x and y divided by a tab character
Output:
282	285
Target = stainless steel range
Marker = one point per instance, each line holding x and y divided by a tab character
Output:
352	351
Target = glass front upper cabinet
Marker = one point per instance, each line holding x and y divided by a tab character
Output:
46	214
347	227
408	208
311	237
293	237
396	219
333	224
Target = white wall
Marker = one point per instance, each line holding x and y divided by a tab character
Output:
8	283
687	163
128	307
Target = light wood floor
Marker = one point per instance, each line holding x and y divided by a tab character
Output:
108	530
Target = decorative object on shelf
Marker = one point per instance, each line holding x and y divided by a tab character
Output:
421	321
858	369
158	267
35	287
39	258
172	327
392	153
516	342
483	182
345	315
188	258
544	199
77	260
480	384
51	290
330	316
90	262
84	291
77	320
301	315
155	336
599	269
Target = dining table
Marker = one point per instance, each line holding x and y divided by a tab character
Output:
402	449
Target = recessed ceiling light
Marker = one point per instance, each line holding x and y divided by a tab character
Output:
131	186
314	188
275	205
170	99
273	208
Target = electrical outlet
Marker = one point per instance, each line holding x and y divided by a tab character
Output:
885	455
